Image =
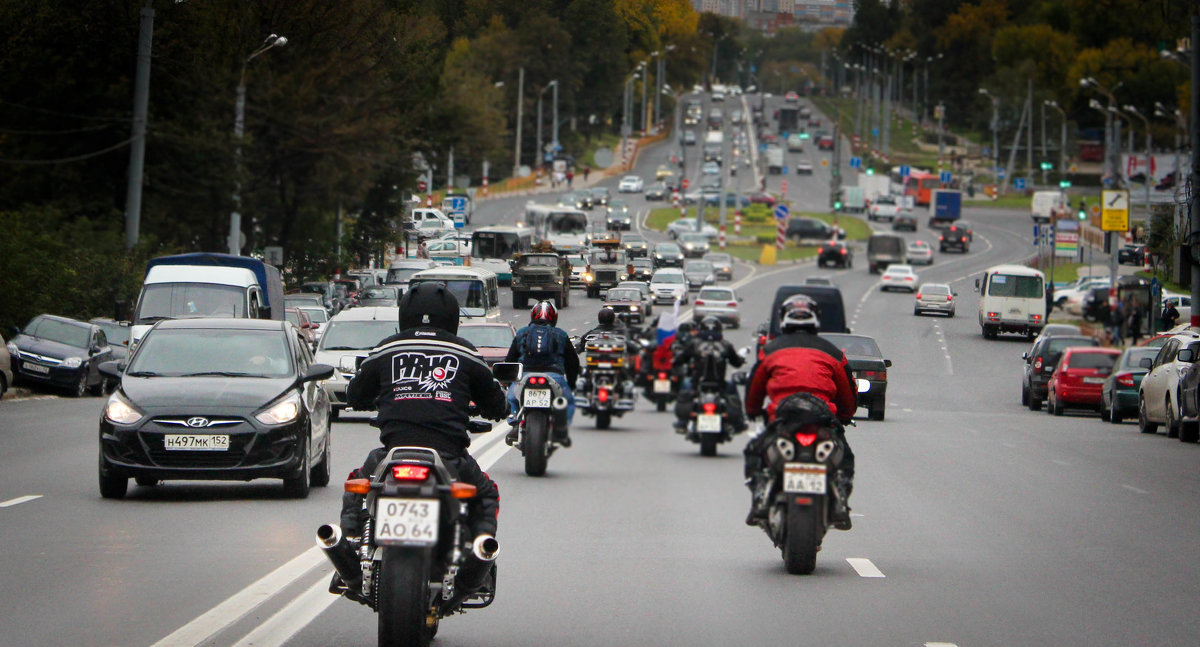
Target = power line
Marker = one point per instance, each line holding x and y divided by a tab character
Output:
64	114
68	131
67	160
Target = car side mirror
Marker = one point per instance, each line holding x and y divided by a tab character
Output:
1146	362
317	372
94	350
111	368
976	285
887	363
1186	355
1025	356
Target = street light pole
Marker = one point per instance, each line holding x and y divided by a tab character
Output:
1149	162
1062	146
645	107
554	126
239	123
539	153
137	147
995	132
520	106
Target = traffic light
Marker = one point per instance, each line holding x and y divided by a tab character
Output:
870	171
837	205
1082	209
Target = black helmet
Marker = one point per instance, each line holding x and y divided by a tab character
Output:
429	303
798	313
710	329
606	316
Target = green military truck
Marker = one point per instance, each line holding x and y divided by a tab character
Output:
538	275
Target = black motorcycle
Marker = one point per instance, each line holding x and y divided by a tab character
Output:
543	410
799	451
708	421
415	539
604	391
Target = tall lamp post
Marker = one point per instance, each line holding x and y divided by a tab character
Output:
925	100
1149	161
1111	139
137	145
659	81
239	124
645	111
539	153
520	107
1062	146
995	131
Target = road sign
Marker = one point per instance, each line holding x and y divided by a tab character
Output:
945	177
781	212
785	170
421	186
1000	173
905	171
1019	183
1064	184
1114	207
855	162
684	183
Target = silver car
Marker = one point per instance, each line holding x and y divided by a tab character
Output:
349	335
721	303
934	297
699	274
694	245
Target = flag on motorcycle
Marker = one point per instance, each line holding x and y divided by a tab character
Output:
667	324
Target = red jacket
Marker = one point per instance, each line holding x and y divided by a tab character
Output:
802	362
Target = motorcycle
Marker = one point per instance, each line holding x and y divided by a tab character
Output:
708	419
604	391
801	451
543	411
414	541
659	381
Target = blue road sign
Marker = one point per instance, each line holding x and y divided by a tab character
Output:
1019	183
1000	172
781	212
874	132
905	170
785	170
762	148
945	178
855	162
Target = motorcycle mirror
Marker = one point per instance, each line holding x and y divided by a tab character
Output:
740	377
863	385
744	351
506	372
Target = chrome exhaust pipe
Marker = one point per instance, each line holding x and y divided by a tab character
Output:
485	548
341	553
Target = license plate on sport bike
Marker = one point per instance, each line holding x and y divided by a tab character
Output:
406	521
537	398
708	423
662	386
805	478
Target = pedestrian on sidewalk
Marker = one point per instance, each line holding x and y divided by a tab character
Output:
586	171
1135	322
570	177
1170	316
1115	320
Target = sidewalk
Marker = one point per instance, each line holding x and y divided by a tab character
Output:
594	177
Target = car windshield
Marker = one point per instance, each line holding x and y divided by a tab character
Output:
860	346
379	293
715	294
606	257
357	335
1008	285
698	266
491	244
1091	360
632	238
668	278
576	261
1056	345
468	292
934	288
63	332
487	336
718	258
200	352
402	274
666	248
539	261
316	315
641	263
568	223
623	295
189	300
694	238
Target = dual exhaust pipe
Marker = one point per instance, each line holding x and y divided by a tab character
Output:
342	555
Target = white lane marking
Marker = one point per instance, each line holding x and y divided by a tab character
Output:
1009	445
243	602
1058	462
19	500
907	410
1134	489
940	645
301	611
864	567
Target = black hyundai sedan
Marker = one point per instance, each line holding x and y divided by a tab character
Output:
61	352
217	399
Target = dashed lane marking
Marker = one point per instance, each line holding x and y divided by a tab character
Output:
19	500
1134	489
1060	463
864	567
940	645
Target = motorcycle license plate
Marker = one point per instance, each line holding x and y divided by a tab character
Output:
708	423
537	398
196	442
409	522
805	478
662	386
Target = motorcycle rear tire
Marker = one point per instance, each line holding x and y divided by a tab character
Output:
802	541
403	594
708	445
537	430
603	420
661	405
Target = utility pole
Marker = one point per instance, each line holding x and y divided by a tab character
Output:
1029	139
520	105
1012	153
1194	109
137	145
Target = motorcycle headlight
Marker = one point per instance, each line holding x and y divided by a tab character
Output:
72	362
282	411
120	411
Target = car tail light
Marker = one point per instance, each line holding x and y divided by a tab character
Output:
1037	364
908	278
1035	317
731	304
710	408
874	375
949	297
918	295
602	396
1125	379
699	302
953	228
941	238
843	251
410	472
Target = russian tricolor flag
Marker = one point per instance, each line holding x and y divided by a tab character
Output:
667	324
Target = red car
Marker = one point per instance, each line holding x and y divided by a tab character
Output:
762	197
492	340
1078	379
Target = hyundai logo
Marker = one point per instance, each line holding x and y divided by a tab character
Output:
197	422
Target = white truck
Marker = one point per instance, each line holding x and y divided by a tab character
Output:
1045	203
774	160
874	186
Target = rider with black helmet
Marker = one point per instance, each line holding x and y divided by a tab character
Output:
542	347
705	359
607	322
421	380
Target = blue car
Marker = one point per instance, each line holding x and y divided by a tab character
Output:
61	353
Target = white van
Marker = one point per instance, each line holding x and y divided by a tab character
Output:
477	290
1045	204
420	215
1012	298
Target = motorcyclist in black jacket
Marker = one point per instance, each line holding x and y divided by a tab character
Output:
422	380
608	323
705	359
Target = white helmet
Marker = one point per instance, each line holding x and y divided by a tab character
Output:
799	313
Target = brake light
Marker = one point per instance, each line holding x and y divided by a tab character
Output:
806	439
699	302
1125	379
410	472
710	408
874	375
941	238
949	297
953	228
843	251
540	381
662	376
602	396
731	304
908	278
918	295
1037	364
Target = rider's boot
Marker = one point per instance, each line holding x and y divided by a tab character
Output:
839	514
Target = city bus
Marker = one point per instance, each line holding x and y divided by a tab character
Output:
492	247
565	228
920	185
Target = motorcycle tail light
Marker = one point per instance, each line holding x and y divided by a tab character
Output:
806	439
710	408
358	486
1125	379
410	472
602	396
662	376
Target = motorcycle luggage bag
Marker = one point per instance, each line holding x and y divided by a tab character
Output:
802	409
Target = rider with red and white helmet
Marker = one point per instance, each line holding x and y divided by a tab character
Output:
542	347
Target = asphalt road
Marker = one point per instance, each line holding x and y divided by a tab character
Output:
977	522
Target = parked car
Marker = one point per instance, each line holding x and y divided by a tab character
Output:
866	362
919	252
904	220
669	285
1159	393
934	297
629	304
1073	293
1094	306
898	277
630	184
835	252
718	302
491	339
351	335
303	324
119	335
217	399
1040	361
699	273
1119	394
1078	379
63	353
761	197
722	265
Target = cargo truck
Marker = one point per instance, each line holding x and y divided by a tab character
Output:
946	206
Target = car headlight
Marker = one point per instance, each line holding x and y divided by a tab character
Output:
624	277
634	308
283	411
120	411
589	278
72	362
348	364
12	348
